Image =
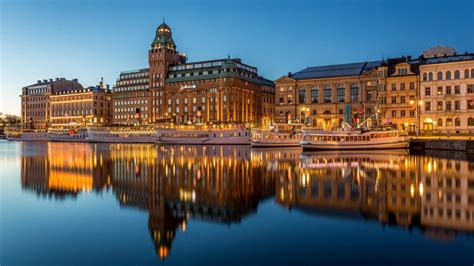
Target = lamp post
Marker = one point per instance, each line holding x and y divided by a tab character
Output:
417	115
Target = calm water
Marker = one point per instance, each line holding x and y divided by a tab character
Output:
92	204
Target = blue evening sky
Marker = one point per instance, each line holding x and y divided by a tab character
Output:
92	39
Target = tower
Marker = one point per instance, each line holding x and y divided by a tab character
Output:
161	56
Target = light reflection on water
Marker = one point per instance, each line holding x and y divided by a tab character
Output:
199	188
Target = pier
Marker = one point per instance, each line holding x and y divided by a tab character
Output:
443	143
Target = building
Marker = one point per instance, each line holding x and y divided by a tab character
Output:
78	106
398	92
131	98
172	90
447	93
62	103
325	96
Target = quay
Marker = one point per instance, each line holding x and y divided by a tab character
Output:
456	143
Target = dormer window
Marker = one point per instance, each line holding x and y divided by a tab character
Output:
402	71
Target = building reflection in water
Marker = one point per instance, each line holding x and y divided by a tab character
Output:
223	184
393	187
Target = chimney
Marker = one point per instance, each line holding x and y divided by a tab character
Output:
108	87
408	58
45	80
39	81
50	80
57	79
465	52
62	79
74	80
289	74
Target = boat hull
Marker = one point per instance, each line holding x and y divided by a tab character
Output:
399	144
111	139
244	140
30	136
67	139
263	144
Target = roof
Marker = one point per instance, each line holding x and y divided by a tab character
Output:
447	59
342	70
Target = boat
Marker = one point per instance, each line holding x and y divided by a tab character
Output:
27	135
354	140
278	135
68	135
139	134
203	135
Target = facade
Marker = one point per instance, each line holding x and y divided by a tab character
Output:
447	94
325	96
63	103
398	92
131	98
212	91
76	106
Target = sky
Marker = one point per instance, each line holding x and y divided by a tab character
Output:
90	39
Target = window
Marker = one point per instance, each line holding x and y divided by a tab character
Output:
314	95
466	73
457	105
327	94
448	105
402	71
470	121
449	122
428	106
428	91
369	96
440	106
341	93
412	113
470	104
448	90
382	87
440	75
302	95
394	113
440	90
402	113
430	76
402	99
470	88
412	86
440	122
354	92
394	87
402	86
281	99
425	77
457	122
457	89
394	99
383	100
448	75
457	74
472	73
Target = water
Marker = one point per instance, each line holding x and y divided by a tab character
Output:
124	204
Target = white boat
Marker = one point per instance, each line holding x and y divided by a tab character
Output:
203	135
68	135
279	135
121	134
27	135
354	140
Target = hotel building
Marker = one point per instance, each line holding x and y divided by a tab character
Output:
171	90
325	96
447	93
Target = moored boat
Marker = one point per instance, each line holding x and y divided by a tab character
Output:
143	134
27	135
354	140
203	135
278	135
68	135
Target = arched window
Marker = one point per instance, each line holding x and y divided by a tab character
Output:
440	122
327	94
472	73
355	92
302	95
430	76
457	74
440	75
466	73
425	77
341	93
470	121
449	122
457	122
448	75
314	95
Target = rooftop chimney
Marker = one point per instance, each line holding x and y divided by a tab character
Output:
45	80
289	74
74	80
57	79
50	80
39	81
